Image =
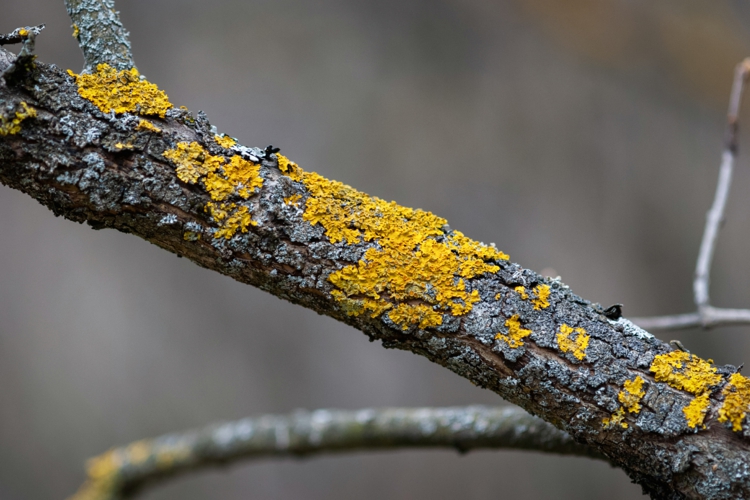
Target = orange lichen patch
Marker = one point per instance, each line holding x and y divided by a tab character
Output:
224	141
406	315
23	32
575	346
289	168
222	180
238	220
10	125
684	371
122	92
417	268
515	335
542	294
147	125
522	292
617	418
631	394
293	200
736	401
695	412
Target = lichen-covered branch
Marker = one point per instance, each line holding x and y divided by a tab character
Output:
108	149
302	433
707	316
100	34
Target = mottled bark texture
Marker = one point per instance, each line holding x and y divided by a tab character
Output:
100	34
123	471
527	338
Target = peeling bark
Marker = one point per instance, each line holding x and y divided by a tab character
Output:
570	369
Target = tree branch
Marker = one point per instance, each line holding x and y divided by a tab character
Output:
100	34
706	315
109	150
301	434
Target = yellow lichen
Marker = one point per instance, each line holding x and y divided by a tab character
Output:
147	125
631	394
689	373
76	31
406	315
224	141
575	346
293	200
695	412
222	180
417	268
289	168
684	371
542	294
617	418
498	296
516	334
736	401
121	92
10	125
522	292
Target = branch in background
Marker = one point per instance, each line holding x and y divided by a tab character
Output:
301	434
706	315
100	34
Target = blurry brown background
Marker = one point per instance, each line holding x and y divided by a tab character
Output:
579	135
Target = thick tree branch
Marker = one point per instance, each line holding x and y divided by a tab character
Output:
100	34
124	470
107	149
707	316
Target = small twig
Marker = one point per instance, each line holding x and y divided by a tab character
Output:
122	470
19	35
715	216
706	315
711	317
24	61
103	40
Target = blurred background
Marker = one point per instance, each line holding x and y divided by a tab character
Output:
582	136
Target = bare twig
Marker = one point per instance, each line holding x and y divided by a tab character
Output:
123	470
103	40
706	315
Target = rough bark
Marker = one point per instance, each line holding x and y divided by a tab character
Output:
109	170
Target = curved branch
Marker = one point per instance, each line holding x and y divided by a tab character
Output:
100	34
305	434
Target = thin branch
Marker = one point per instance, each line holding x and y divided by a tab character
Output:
707	316
710	317
100	34
123	470
20	35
